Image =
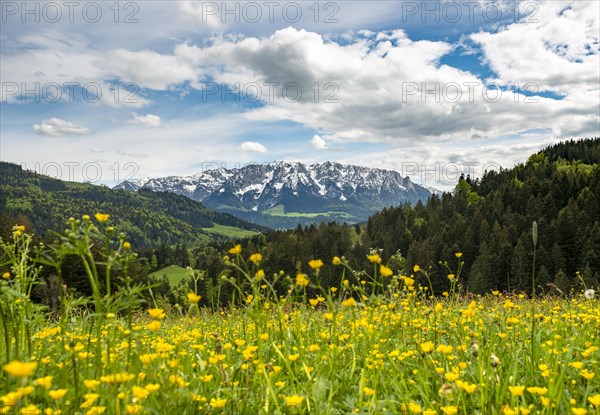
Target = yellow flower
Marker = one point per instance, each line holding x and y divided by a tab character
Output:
416	268
30	410
45	382
313	301
294	400
126	245
20	369
587	374
595	400
293	357
101	217
385	271
336	260
579	411
314	348
91	383
96	410
139	392
236	249
57	394
458	254
427	347
449	410
193	297
218	402
154	325
255	258
350	302
260	274
445	349
21	228
315	263
368	391
516	390
375	258
451	277
302	280
156	313
6	275
133	409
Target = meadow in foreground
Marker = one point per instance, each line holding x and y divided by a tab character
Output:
375	344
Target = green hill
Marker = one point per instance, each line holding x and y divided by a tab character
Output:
148	218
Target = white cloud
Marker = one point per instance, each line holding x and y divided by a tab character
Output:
318	143
148	120
55	127
253	146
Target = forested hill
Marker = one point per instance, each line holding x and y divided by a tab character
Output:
488	220
148	218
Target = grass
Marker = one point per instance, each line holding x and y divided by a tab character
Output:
279	210
230	231
175	274
376	344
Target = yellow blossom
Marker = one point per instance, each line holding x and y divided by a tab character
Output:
368	391
255	258
595	400
101	217
315	263
236	249
218	402
516	390
154	325
156	313
349	302
20	369
193	297
6	275
57	394
375	258
302	280
336	260
385	271
294	400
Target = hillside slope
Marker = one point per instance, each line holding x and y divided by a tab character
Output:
149	218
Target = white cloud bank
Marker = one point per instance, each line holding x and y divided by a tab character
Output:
55	127
318	143
253	146
148	120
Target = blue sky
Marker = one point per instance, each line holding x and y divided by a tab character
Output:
156	88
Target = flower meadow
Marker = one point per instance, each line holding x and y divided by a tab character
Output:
379	343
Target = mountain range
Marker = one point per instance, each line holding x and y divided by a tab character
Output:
285	194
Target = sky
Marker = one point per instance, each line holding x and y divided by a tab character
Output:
104	91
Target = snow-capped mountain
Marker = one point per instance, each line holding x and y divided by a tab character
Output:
283	194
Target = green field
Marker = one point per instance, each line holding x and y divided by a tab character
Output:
279	210
230	231
174	274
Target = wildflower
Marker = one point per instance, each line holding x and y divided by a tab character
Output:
6	275
375	258
385	271
587	374
516	390
589	294
96	410
313	301
350	302
294	400
218	402
255	258
449	410
579	411
427	347
20	369
336	260
126	245
445	349
416	268
91	383
368	391
451	277
302	280
315	263
156	313
57	394
30	410
458	254
193	297
45	382
260	274
314	348
101	217
133	409
139	392
595	400
154	325
236	249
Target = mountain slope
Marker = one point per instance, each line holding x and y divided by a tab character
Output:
283	194
149	218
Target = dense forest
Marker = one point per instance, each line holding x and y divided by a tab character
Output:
149	219
488	220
